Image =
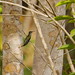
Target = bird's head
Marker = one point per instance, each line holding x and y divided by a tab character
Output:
30	32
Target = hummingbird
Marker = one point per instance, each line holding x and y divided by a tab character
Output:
27	39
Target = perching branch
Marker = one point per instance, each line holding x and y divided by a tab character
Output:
44	43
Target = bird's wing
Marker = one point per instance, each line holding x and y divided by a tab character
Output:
27	39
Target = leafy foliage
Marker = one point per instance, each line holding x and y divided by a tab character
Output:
64	73
65	2
72	73
72	33
67	46
63	17
27	72
0	9
72	21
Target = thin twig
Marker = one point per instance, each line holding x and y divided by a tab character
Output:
55	41
42	56
15	15
64	54
19	60
70	61
39	51
33	5
68	55
62	29
48	16
55	38
23	64
58	24
45	8
42	15
38	7
49	10
42	7
44	44
38	12
51	7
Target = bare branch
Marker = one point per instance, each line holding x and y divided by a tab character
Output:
24	8
44	44
70	61
62	29
51	7
57	23
15	15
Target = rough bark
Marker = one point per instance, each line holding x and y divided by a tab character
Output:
40	67
12	40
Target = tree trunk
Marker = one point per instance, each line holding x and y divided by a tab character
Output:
50	32
12	40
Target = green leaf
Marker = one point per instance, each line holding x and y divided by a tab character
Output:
72	21
73	13
68	6
72	33
49	21
65	2
73	62
63	17
27	72
67	46
64	73
72	73
32	41
0	10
